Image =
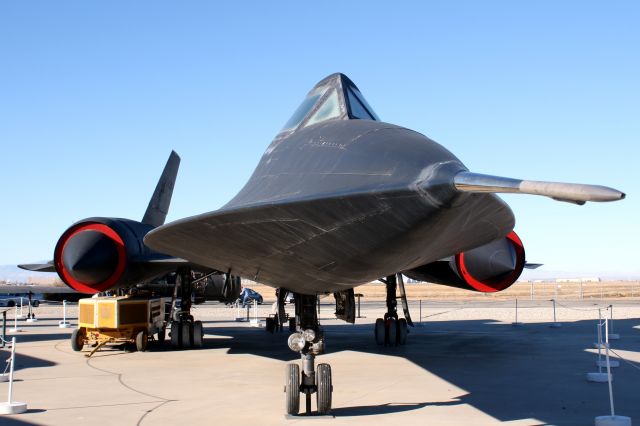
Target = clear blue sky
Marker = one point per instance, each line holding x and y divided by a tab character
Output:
94	95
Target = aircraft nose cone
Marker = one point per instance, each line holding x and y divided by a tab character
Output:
91	257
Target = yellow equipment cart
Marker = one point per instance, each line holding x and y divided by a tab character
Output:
118	319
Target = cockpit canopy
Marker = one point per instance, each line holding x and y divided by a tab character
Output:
334	98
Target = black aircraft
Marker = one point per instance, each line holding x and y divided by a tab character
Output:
338	199
99	254
341	198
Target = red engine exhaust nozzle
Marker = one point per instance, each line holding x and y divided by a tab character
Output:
494	285
96	267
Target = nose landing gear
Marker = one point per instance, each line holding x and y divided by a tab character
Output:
308	340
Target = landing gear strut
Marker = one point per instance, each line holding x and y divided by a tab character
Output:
185	332
391	330
308	339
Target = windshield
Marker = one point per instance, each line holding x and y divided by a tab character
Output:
304	108
330	109
359	106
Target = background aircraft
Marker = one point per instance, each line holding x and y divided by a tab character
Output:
99	254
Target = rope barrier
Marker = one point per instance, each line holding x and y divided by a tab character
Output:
631	363
580	309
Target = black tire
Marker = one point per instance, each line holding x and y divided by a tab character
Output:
325	388
198	334
292	389
36	303
292	324
142	338
77	339
162	334
403	330
11	304
176	334
187	334
379	331
270	325
392	332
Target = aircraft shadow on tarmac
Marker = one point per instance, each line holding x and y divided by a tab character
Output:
509	373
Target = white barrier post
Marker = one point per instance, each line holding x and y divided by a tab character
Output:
15	328
254	321
20	315
612	419
607	362
64	323
516	323
612	335
238	314
12	407
599	376
555	324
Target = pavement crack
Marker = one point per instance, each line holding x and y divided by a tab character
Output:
162	401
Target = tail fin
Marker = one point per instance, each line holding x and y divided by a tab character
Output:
159	204
570	192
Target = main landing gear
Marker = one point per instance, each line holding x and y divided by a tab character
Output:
185	332
308	339
391	330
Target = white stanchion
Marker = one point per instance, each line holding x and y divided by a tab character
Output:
607	362
555	323
612	335
15	328
20	314
255	322
516	323
239	316
599	376
64	323
11	406
612	419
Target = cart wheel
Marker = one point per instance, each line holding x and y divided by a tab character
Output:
142	339
161	335
198	334
77	339
187	334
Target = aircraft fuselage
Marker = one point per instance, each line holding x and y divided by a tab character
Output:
338	204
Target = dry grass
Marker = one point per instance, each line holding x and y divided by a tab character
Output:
541	291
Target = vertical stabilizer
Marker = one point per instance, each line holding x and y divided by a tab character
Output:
159	204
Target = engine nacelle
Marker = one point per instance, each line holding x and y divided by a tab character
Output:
489	268
98	254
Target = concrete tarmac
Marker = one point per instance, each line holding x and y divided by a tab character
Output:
465	364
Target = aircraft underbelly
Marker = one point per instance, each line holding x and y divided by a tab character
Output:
332	244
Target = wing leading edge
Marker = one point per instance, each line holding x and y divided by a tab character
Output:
560	191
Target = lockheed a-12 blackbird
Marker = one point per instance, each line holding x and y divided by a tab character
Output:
339	198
